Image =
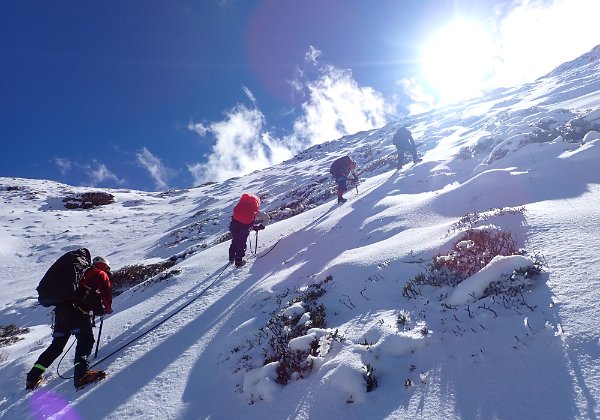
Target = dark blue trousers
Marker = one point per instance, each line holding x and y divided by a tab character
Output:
239	238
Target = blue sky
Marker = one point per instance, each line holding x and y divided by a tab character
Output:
169	94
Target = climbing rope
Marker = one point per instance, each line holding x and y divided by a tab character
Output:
166	319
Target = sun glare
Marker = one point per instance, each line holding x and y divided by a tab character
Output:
457	60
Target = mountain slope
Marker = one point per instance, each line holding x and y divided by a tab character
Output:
521	161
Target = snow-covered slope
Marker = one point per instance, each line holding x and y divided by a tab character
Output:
204	342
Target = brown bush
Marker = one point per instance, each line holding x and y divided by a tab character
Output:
469	255
132	275
9	334
88	200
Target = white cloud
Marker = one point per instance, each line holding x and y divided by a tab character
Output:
199	128
312	55
249	94
64	165
241	146
421	101
158	171
99	173
335	106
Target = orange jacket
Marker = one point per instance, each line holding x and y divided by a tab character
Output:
97	279
246	209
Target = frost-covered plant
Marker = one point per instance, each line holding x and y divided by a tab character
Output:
9	334
403	318
509	290
473	251
472	219
283	327
369	377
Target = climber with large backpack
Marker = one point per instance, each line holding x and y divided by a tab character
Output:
79	288
246	216
341	169
404	142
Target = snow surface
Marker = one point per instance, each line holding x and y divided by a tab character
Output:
448	352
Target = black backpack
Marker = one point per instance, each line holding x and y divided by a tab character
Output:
62	279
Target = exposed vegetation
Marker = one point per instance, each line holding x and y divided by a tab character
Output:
9	334
132	275
88	200
474	249
285	325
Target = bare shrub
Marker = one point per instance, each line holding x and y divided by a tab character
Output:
132	275
89	200
9	334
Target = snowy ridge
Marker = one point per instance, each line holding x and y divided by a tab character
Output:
356	282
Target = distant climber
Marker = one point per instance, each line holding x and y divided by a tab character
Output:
404	142
246	216
341	169
74	316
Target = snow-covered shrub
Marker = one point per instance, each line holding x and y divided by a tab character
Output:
511	288
473	251
472	219
295	334
370	378
485	145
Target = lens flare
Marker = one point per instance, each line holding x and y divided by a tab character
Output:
457	61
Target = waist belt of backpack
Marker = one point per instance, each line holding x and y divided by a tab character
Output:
81	310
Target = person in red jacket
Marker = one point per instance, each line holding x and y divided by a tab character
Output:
94	294
246	214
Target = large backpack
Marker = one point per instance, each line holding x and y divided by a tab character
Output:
340	165
245	210
62	279
401	137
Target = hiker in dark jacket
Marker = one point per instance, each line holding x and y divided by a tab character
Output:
246	215
341	169
404	142
94	294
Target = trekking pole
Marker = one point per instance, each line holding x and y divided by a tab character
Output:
99	333
255	242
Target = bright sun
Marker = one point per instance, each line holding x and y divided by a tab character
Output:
457	61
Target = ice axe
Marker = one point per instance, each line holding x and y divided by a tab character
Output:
99	333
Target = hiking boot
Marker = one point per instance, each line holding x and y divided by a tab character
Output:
342	200
240	263
89	377
33	382
34	377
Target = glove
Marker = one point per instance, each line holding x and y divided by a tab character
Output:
108	310
258	227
